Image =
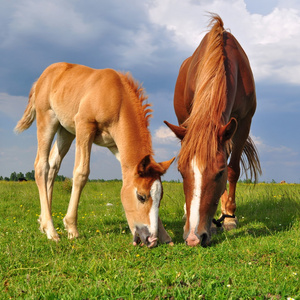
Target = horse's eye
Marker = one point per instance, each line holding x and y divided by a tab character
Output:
219	175
141	198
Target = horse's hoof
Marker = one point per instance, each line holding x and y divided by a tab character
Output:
230	224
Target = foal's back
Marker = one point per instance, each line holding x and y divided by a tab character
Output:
70	89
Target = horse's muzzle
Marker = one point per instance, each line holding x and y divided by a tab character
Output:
193	240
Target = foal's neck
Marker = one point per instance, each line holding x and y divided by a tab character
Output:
133	141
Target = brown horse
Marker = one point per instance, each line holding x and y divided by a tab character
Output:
107	108
214	103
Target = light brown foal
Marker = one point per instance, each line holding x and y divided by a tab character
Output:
104	107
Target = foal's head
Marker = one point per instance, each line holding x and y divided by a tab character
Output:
141	200
203	183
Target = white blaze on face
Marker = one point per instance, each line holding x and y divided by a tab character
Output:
195	203
155	192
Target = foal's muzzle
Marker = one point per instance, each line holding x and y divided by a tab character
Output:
142	235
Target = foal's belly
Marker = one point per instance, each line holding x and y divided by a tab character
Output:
104	139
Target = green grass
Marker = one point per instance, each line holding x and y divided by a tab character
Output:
259	260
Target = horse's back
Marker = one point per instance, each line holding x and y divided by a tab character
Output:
240	81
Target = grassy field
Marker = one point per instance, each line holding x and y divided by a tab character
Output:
259	260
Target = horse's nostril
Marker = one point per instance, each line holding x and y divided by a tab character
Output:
204	239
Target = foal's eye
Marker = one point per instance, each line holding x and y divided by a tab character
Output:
141	198
219	175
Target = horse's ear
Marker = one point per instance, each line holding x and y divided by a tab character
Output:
178	130
166	164
227	131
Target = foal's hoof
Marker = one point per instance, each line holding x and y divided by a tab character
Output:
49	230
230	223
73	235
71	228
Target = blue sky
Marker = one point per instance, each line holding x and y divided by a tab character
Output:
151	39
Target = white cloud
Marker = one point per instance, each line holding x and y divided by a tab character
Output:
163	135
271	41
264	148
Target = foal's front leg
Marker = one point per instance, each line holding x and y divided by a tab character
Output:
163	236
85	134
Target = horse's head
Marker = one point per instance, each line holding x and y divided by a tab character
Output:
203	186
141	200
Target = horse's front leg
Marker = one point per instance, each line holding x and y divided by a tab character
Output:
228	204
228	207
84	138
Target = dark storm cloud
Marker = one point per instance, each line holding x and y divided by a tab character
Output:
100	34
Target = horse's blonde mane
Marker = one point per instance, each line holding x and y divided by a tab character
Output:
204	122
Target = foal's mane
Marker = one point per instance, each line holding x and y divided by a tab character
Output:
142	107
140	98
205	120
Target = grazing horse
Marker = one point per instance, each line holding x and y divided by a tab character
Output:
107	108
214	102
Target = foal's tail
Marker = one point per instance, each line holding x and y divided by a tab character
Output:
29	113
250	160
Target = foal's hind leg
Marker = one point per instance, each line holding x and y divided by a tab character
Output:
46	128
85	133
62	145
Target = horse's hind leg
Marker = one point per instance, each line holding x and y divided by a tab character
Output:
47	125
62	145
85	134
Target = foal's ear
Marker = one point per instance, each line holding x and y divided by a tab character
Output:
227	131
166	164
148	167
142	167
178	130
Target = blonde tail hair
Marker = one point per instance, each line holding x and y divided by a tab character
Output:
29	113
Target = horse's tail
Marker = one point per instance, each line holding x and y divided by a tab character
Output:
29	113
250	160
